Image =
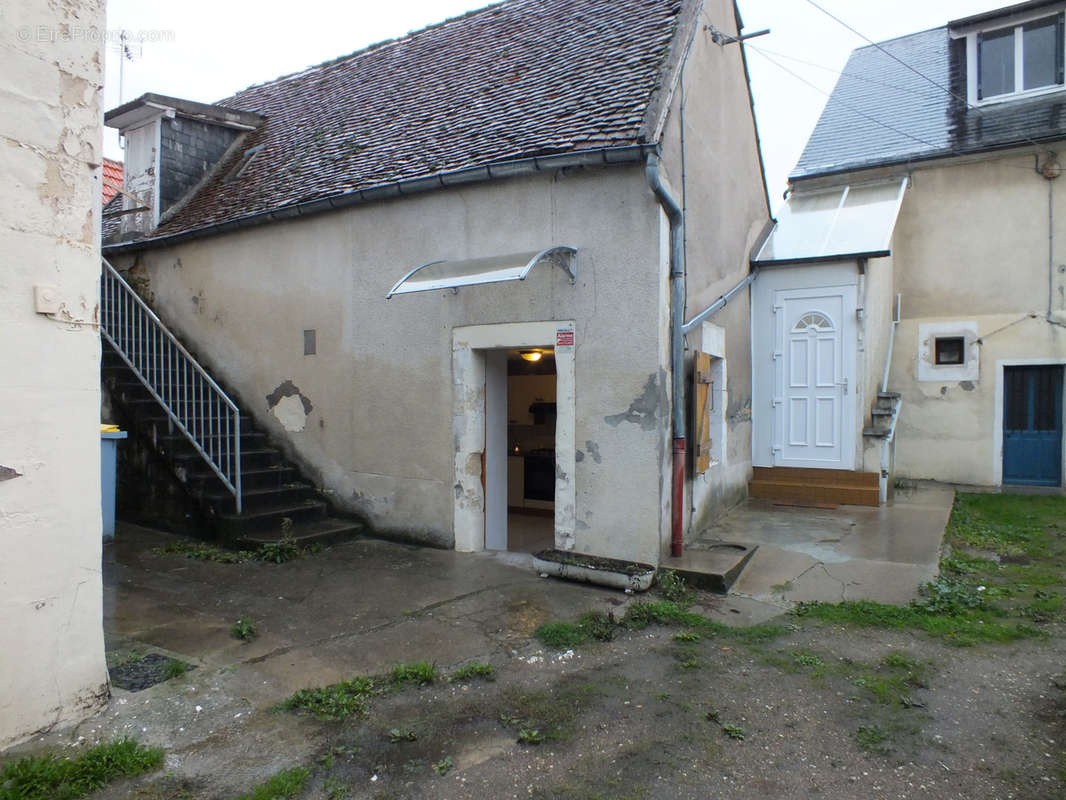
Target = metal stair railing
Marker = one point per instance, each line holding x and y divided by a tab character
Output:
195	404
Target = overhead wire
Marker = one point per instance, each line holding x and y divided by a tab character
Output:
969	106
851	108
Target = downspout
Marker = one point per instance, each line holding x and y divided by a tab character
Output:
677	356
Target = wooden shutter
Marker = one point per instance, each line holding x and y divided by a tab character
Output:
702	412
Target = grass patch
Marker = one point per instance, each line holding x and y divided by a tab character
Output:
602	627
50	777
474	671
593	626
244	629
420	673
335	702
961	629
285	549
548	712
872	739
1003	577
282	786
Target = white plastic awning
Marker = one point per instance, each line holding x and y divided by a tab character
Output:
835	223
453	274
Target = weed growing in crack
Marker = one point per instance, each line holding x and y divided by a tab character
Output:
872	739
530	736
397	735
473	671
672	586
285	549
244	629
335	789
444	766
804	659
420	673
733	731
174	668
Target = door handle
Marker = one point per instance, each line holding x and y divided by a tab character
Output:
844	385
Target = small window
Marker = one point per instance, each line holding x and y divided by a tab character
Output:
1020	58
950	350
309	342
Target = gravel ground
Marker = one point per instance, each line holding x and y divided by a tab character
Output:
649	716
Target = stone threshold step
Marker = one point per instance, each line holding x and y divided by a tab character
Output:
714	567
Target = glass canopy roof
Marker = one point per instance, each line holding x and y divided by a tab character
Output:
453	274
839	222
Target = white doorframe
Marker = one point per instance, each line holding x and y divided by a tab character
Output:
468	422
823	276
997	421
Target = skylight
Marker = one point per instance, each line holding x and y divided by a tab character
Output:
835	223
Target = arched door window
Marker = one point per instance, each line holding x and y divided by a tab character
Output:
813	322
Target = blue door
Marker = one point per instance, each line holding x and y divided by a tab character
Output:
1032	425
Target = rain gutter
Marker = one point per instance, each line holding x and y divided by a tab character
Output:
604	156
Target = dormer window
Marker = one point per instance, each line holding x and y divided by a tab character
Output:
1021	55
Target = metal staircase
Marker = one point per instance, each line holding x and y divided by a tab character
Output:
242	485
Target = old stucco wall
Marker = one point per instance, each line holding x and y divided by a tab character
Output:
51	632
374	418
721	187
971	246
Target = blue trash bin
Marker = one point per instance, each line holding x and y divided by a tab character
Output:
108	457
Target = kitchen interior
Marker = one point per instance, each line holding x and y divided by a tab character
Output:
531	414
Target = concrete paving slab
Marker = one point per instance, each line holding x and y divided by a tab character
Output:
883	554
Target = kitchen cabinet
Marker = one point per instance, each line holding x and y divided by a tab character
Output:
523	391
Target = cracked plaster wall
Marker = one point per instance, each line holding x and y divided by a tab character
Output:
378	431
971	247
51	635
726	209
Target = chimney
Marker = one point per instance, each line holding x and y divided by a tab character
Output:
170	144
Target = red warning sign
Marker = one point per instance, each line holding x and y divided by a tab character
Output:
564	337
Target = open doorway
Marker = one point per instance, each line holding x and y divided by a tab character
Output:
485	436
520	422
531	417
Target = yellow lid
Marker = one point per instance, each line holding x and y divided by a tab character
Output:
108	428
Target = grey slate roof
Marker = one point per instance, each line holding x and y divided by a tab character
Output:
518	79
927	122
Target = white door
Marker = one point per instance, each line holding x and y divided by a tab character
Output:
813	378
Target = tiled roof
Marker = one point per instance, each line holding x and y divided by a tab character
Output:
111	223
112	178
518	79
880	112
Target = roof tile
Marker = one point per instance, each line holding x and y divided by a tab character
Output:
514	80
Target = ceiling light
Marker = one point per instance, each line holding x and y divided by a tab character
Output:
530	355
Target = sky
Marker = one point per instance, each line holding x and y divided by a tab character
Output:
206	49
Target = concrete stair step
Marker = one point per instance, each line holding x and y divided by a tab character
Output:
715	566
269	521
325	531
264	498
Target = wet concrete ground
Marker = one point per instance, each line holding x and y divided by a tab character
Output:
847	553
642	716
358	608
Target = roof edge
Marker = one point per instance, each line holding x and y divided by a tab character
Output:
603	156
661	97
921	158
125	114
